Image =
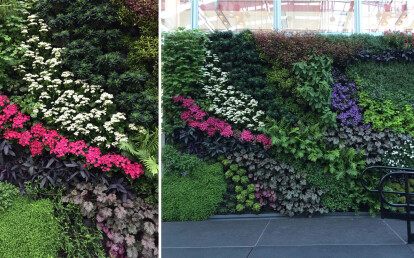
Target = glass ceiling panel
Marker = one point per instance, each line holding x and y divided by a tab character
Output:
235	15
318	16
380	16
175	13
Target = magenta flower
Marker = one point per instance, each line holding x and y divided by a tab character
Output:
194	117
246	136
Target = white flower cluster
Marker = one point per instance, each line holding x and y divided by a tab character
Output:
234	106
70	105
401	155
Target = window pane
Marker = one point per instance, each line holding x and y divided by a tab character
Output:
380	16
175	13
318	16
235	15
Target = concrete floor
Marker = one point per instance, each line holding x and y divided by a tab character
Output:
328	236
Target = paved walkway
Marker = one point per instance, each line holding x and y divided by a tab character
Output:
329	236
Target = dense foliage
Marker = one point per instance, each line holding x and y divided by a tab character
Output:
29	229
329	106
194	189
79	109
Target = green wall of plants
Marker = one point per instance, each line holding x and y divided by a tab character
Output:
331	105
79	128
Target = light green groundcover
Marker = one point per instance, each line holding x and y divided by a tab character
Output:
29	229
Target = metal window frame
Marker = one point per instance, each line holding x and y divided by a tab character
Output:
194	14
277	15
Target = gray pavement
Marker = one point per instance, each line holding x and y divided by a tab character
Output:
328	236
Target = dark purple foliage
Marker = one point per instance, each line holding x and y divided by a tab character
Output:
18	167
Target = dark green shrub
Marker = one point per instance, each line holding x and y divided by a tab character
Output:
175	162
142	108
182	58
386	81
12	20
238	57
193	196
29	229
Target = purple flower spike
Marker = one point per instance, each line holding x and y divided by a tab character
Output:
344	100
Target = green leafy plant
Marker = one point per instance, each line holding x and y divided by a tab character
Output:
8	193
144	148
314	80
385	115
183	57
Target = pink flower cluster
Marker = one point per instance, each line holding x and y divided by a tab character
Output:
38	137
197	118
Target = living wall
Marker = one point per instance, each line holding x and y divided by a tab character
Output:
293	119
78	128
